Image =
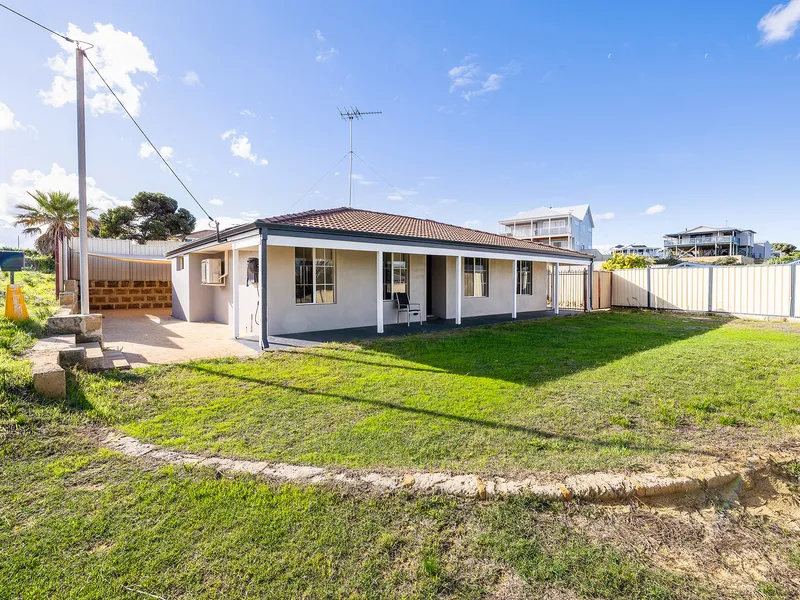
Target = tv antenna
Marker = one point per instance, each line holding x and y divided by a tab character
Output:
348	114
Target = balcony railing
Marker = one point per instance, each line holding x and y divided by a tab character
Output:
525	232
701	241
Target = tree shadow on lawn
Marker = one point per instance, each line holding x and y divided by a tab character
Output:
534	352
466	420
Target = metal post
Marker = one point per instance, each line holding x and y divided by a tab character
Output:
263	331
649	287
82	208
710	288
792	291
590	279
515	281
350	198
459	289
379	291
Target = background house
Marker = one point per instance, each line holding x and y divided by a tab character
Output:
638	250
710	241
564	227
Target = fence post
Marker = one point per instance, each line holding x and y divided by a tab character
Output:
793	291
648	287
710	289
590	283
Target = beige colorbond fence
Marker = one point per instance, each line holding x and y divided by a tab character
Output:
756	290
601	289
105	269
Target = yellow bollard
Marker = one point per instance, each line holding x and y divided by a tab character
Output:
15	303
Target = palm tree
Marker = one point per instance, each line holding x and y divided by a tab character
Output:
54	217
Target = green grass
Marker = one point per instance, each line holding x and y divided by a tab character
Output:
81	522
612	390
93	531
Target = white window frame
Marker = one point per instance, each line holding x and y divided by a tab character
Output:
520	290
314	257
473	260
391	256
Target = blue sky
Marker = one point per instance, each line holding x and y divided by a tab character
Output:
488	109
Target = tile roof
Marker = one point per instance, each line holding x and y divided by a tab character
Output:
378	223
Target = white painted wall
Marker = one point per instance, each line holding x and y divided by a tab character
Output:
180	289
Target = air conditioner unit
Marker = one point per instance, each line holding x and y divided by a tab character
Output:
212	271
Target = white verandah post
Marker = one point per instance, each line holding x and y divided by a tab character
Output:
556	284
459	289
234	272
514	276
379	290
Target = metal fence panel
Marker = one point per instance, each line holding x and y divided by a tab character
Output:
629	288
104	269
601	289
680	289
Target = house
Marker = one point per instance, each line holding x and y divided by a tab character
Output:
638	250
762	250
710	241
564	227
340	268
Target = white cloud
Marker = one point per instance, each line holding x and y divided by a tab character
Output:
468	78
22	181
472	223
191	79
606	216
655	209
118	55
7	120
234	173
250	214
247	113
361	181
402	194
318	35
240	146
225	222
326	55
146	151
780	23
216	202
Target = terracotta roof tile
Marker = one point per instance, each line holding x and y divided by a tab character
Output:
366	221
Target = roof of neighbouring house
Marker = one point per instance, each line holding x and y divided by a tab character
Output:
706	229
367	221
578	211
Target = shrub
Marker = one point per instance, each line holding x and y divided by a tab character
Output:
630	261
727	261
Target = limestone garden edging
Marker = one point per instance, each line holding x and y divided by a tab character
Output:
593	487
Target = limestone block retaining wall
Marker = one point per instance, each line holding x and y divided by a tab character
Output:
113	295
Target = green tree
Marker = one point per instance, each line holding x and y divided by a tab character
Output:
118	222
783	247
53	216
786	258
151	216
629	261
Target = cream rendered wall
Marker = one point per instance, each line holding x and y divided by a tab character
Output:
223	295
201	306
180	289
538	300
356	290
501	292
248	297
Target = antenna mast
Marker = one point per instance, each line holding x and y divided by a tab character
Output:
348	114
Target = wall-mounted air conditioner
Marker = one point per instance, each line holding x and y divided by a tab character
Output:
212	271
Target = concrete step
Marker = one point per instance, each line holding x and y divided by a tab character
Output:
114	359
94	356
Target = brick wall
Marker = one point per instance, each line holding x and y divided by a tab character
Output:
111	295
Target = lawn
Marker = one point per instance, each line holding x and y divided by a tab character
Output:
78	521
616	390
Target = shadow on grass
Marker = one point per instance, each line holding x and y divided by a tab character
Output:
532	353
472	421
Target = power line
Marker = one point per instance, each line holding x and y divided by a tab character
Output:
318	182
61	35
393	187
152	145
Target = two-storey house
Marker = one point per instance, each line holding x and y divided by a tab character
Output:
567	227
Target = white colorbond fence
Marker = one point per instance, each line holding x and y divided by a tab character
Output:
105	269
751	290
